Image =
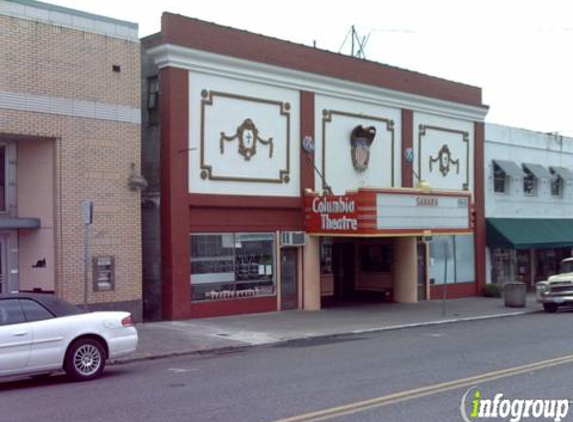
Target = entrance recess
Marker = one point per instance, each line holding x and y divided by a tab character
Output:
343	268
3	276
289	279
421	271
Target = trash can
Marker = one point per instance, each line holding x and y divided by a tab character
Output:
514	294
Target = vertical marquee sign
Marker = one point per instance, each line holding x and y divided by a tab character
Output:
332	214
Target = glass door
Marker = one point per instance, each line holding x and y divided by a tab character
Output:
289	279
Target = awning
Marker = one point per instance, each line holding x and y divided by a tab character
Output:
529	233
538	171
563	173
509	168
19	223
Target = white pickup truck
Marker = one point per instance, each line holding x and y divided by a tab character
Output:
557	290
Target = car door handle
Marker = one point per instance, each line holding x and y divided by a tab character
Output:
20	333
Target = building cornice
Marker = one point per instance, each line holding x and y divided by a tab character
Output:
170	55
69	18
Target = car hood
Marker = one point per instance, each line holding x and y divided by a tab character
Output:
561	278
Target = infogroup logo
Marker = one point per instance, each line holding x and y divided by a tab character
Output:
474	407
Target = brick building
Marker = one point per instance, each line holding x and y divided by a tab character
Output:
70	132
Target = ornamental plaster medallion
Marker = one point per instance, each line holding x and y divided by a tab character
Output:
248	136
360	139
444	158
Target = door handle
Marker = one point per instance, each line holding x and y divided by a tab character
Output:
20	333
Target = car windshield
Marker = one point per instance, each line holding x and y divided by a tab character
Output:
566	267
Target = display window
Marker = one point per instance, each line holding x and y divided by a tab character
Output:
232	265
452	259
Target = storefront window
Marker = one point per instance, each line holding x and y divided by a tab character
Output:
326	256
503	265
547	264
232	265
376	258
459	253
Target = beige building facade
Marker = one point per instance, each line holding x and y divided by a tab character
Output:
70	136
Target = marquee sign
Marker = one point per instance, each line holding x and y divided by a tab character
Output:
388	212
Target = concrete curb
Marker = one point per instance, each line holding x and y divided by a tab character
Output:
216	351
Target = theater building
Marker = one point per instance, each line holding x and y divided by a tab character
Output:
529	203
288	177
70	132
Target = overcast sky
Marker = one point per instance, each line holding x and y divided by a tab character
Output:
518	52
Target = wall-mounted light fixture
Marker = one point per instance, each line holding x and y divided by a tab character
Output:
136	182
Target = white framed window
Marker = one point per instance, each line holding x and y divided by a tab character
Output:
153	100
556	184
500	180
8	196
529	183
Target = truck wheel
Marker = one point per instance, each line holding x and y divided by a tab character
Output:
550	307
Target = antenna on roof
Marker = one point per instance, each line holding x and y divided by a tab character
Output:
358	44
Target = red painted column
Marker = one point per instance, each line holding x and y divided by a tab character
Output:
175	248
307	172
407	142
479	206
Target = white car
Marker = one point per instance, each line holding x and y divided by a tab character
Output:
40	334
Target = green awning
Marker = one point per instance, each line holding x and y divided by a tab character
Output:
538	171
529	233
509	168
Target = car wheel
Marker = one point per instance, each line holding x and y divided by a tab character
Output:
550	307
85	359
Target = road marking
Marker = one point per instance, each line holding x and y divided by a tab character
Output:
181	370
360	406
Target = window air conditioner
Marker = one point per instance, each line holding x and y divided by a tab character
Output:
293	238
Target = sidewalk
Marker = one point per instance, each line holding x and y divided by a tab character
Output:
224	334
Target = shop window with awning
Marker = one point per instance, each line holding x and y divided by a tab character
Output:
529	233
533	173
559	176
503	170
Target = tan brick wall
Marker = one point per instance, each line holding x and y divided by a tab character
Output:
93	157
42	59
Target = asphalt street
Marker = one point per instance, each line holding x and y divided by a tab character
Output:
417	374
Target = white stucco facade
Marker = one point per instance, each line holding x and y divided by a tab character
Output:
218	108
334	120
525	146
433	137
522	148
